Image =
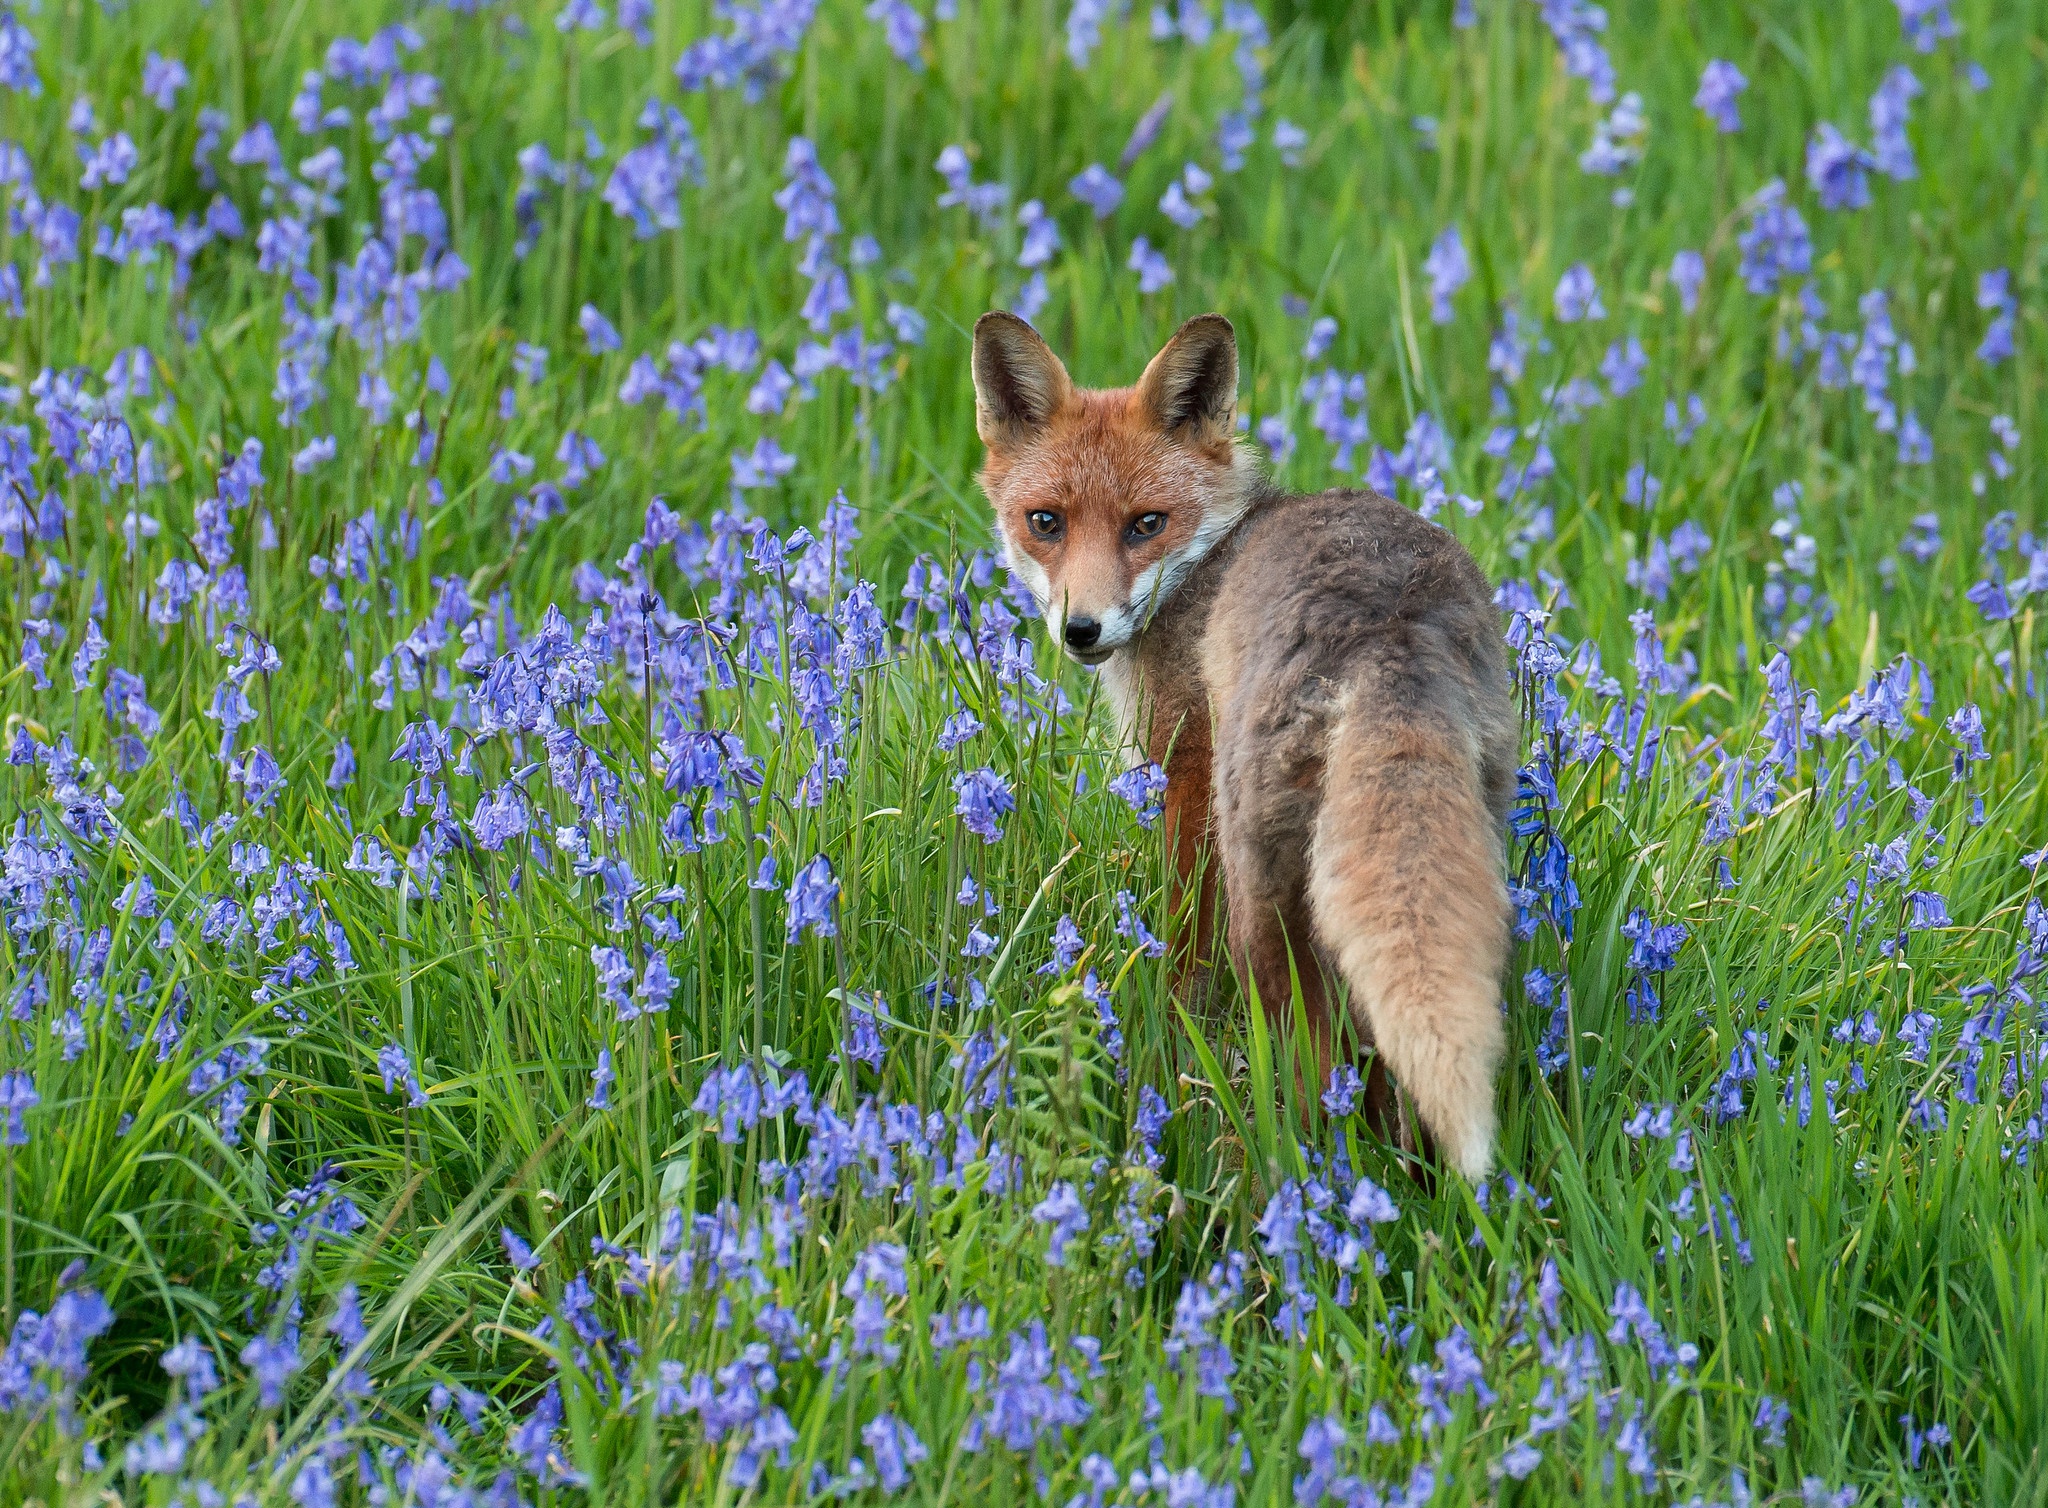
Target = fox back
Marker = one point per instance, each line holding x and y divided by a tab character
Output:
1323	678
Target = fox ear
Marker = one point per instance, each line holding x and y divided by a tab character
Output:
1018	383
1190	387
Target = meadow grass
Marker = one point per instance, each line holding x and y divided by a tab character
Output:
311	1193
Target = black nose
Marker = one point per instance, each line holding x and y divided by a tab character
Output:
1082	633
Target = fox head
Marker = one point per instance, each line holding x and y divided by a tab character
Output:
1107	498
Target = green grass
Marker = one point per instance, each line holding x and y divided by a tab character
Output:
1879	1264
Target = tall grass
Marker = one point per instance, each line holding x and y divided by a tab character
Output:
1832	1230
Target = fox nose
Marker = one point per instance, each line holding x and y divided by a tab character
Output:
1082	633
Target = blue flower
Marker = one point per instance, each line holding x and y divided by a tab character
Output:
1142	788
1095	187
271	1362
1838	169
1721	85
17	1097
813	898
517	1252
599	335
1151	266
397	1071
1063	1211
983	800
1341	1098
162	79
1577	296
1448	269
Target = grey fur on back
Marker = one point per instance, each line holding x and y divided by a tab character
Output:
1364	743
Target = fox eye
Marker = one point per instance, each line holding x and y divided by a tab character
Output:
1045	524
1145	525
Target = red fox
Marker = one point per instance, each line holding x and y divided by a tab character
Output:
1323	678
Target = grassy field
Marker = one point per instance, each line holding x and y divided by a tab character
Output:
566	939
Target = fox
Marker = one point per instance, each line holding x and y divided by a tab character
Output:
1324	680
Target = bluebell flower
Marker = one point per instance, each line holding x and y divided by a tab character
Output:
108	164
1095	187
601	1078
1234	137
1926	23
191	1363
18	56
1154	272
1032	297
1623	366
1067	947
813	899
517	1252
397	1071
983	799
1289	142
1063	1211
1370	1204
1576	27
1448	269
1775	245
1084	29
1838	169
1577	296
271	1362
599	335
1994	292
1721	85
1320	1442
1341	1097
1890	108
17	1097
1130	924
162	80
807	199
895	1447
1143	789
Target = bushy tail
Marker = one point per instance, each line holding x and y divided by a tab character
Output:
1406	883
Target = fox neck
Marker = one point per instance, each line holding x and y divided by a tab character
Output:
1154	683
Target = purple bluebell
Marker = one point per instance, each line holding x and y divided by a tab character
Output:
1890	108
1153	270
1576	26
1143	789
895	1447
1095	187
1063	1211
1775	245
1721	85
1289	142
1994	292
983	799
813	901
397	1072
1838	169
271	1361
1448	269
1130	924
1927	23
17	1097
1577	296
1341	1097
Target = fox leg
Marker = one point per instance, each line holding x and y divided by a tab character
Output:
1265	803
